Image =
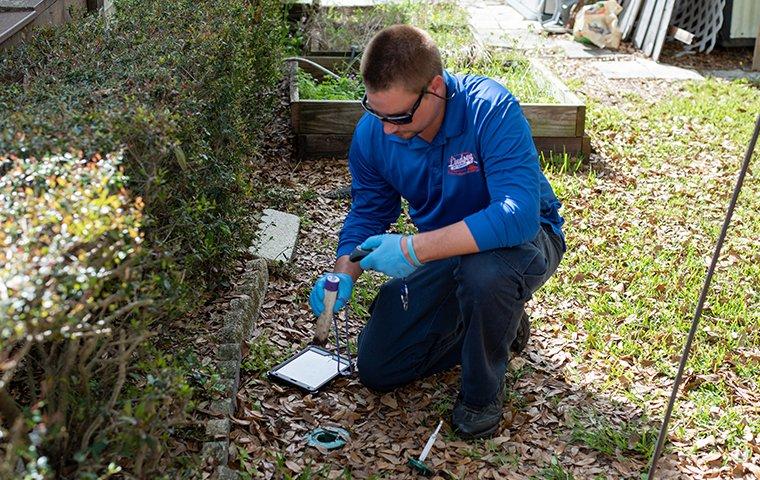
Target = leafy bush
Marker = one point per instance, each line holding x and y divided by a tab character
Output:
329	88
125	154
70	230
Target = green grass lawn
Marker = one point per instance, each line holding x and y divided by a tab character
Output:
641	227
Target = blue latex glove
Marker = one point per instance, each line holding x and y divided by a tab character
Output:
317	296
386	255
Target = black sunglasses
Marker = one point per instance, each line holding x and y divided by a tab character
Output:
401	118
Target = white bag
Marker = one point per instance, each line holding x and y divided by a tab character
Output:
598	24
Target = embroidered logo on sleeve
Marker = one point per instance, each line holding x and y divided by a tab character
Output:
463	163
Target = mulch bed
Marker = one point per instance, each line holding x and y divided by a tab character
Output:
548	385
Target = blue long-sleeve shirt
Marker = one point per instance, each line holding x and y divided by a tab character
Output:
481	167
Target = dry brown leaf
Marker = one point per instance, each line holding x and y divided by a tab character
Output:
711	458
755	469
389	400
293	466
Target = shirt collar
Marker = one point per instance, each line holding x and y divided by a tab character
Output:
453	120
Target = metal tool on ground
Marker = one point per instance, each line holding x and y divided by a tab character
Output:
419	463
328	316
701	302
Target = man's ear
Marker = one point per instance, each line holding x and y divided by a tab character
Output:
437	84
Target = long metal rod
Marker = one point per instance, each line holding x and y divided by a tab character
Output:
701	303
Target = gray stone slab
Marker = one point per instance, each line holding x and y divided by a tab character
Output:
514	39
230	333
231	385
216	453
222	407
218	428
736	74
644	68
230	351
500	25
224	472
578	50
278	232
229	368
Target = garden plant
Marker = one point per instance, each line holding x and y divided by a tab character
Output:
125	153
339	29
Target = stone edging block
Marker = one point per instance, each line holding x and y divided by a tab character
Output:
237	326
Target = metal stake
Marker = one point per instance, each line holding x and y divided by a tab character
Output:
701	303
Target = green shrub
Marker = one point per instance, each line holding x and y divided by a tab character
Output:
329	88
125	182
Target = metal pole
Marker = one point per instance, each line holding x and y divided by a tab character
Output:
701	303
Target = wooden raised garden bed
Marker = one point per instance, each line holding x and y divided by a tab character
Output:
324	128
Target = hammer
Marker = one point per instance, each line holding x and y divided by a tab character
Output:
325	318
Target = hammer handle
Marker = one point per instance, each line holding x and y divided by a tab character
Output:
325	318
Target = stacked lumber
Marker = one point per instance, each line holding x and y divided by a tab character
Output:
651	21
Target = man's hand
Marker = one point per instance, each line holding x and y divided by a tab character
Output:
317	296
387	255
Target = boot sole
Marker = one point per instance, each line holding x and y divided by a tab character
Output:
484	434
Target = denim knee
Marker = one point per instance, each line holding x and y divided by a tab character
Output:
374	374
483	273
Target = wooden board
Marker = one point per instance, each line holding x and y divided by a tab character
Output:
558	145
641	29
18	25
547	80
338	62
328	116
663	30
324	127
321	145
654	27
628	18
756	57
552	120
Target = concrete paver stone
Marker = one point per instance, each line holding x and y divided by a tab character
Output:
735	74
644	68
278	232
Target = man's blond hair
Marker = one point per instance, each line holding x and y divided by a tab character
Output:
400	55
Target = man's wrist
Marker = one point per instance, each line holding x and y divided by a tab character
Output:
404	251
410	249
344	265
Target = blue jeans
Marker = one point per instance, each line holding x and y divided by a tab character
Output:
462	310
